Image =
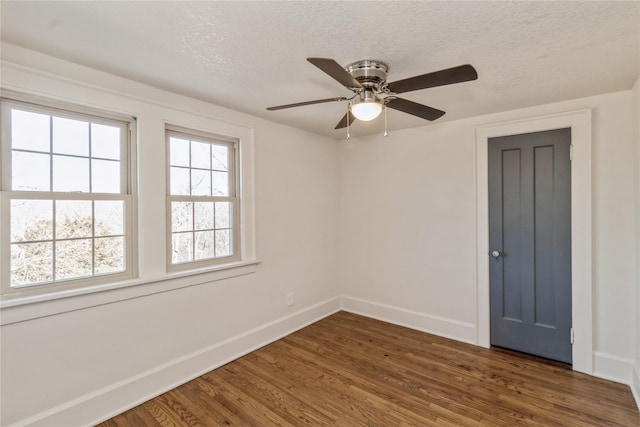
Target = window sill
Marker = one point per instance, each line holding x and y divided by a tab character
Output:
21	308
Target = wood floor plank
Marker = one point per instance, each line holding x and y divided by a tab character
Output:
439	388
305	383
349	370
295	400
138	418
401	376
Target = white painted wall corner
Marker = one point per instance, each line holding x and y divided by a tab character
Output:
612	368
447	328
635	386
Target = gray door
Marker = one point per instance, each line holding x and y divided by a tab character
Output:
530	243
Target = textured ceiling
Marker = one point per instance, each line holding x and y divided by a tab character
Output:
251	55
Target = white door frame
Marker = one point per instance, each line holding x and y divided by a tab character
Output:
581	276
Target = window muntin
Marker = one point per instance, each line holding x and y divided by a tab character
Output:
66	193
202	201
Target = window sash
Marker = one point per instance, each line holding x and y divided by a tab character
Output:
125	188
232	167
7	149
60	284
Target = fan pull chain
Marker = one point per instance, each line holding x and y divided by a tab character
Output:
348	114
385	121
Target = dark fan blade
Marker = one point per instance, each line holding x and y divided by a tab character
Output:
336	71
415	109
300	104
343	123
463	73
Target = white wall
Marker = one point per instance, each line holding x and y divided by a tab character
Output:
407	227
77	365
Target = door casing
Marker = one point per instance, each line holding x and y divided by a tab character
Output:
581	233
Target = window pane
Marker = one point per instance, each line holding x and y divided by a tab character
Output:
109	255
204	216
30	172
219	157
220	183
223	243
30	131
105	141
181	216
31	220
109	217
200	155
182	247
180	182
223	214
205	247
200	182
31	263
73	259
178	152
70	136
70	174
105	176
73	219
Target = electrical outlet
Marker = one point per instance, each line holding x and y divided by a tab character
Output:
290	299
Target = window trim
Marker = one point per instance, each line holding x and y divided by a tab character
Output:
153	108
128	186
16	310
234	170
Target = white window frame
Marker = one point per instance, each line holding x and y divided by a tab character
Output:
127	194
234	197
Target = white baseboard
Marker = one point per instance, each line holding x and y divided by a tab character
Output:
612	368
448	328
112	400
635	385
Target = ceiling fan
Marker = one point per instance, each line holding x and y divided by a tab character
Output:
367	79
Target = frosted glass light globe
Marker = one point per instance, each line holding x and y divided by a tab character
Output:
366	111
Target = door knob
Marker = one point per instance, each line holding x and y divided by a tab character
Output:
495	254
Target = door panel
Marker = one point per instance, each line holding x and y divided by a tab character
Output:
530	225
511	217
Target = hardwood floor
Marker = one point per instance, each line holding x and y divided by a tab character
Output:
349	370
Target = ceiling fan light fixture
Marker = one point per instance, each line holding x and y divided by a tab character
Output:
366	111
367	108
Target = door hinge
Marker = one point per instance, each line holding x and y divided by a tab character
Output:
572	336
571	152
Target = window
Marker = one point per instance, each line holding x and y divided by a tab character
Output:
67	198
202	203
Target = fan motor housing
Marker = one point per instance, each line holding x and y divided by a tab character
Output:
369	72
